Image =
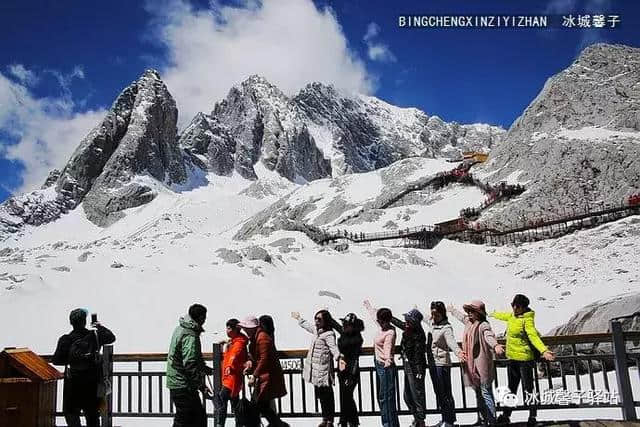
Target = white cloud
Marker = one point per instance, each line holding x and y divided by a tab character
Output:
26	77
375	50
43	132
373	30
289	42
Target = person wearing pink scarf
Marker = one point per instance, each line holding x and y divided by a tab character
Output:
479	344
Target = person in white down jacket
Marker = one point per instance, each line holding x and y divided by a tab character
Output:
319	367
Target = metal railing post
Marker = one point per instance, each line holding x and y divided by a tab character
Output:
107	360
217	368
622	371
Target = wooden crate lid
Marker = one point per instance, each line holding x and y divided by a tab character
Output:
30	365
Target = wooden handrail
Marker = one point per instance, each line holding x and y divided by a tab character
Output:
551	340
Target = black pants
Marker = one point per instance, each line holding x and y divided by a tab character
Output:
264	406
220	404
521	371
441	380
189	408
414	395
327	402
80	393
348	407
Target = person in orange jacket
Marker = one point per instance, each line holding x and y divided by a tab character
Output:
233	362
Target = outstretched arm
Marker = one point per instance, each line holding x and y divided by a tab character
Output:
372	311
501	315
457	313
304	324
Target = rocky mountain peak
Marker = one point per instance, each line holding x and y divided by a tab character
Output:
578	141
150	74
113	167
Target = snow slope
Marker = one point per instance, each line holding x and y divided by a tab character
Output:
169	260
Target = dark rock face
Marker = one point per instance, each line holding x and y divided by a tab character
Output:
53	177
301	158
206	138
35	208
91	156
148	147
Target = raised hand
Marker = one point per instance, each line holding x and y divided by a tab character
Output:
295	315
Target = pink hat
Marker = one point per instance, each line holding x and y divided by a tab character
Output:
477	306
249	322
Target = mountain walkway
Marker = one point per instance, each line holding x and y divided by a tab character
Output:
463	228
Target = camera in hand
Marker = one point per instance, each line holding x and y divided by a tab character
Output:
94	318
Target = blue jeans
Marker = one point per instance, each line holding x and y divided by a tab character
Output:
441	379
486	403
387	394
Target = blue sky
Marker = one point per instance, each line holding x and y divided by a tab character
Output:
63	63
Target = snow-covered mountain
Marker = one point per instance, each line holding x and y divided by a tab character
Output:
318	133
115	166
578	142
321	132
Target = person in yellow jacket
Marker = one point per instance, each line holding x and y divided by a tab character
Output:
522	338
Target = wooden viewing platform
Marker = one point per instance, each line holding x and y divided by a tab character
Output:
139	379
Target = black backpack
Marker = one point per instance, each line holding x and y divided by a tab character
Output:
83	353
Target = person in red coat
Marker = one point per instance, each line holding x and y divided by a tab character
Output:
233	365
265	366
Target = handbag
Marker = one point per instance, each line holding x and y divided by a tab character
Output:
246	411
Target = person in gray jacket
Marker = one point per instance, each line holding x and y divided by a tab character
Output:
440	341
319	367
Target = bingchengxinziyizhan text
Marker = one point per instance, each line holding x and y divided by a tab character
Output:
578	21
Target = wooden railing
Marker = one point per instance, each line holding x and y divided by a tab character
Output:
139	380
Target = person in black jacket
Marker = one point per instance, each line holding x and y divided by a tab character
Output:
79	352
350	346
414	361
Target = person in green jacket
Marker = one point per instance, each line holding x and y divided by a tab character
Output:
186	370
521	335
